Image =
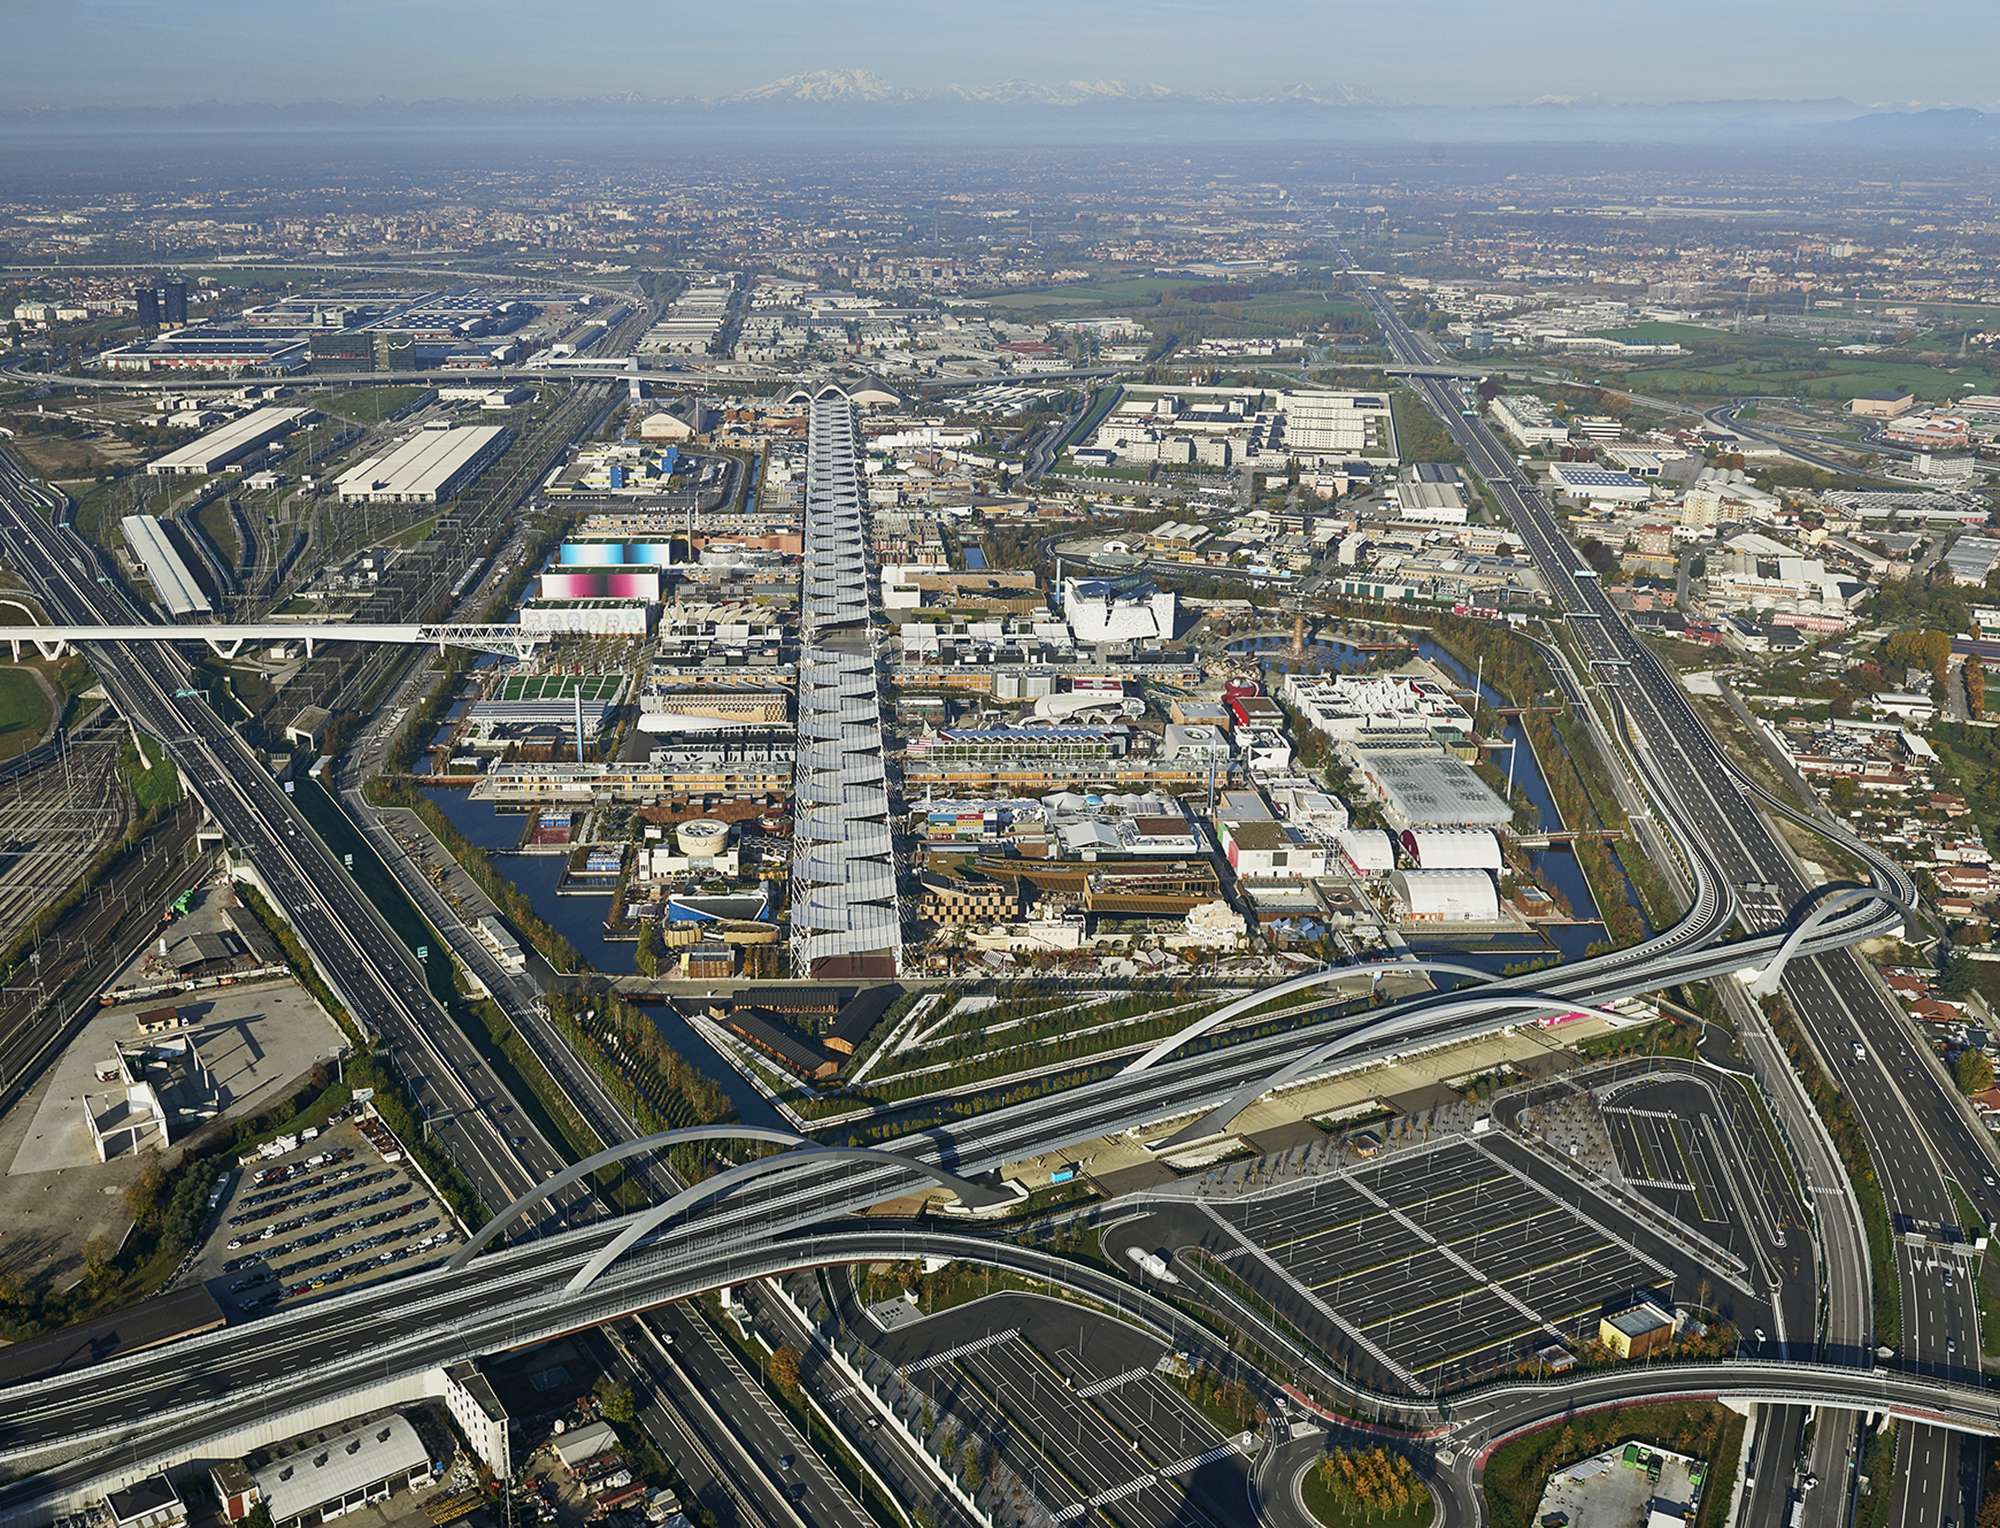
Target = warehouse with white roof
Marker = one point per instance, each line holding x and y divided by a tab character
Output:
327	1479
179	591
229	444
1367	851
427	467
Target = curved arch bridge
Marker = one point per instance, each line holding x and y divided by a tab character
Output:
69	1435
227	640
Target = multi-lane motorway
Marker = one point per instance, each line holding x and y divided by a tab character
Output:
1920	1136
1732	853
473	1118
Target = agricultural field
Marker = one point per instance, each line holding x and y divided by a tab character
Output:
1216	306
1724	364
1099	295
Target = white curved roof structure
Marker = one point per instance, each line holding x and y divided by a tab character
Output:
1453	848
1369	850
1446	896
843	868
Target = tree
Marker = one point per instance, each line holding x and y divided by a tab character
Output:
647	959
615	1400
784	1369
1955	975
142	1197
972	1469
97	1255
1974	1071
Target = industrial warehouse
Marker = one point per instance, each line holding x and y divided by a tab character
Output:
427	467
232	443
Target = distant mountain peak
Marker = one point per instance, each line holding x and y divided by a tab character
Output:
861	87
823	87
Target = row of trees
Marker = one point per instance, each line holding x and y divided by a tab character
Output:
1227	1401
508	897
659	1086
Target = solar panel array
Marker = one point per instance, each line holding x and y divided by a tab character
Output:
843	864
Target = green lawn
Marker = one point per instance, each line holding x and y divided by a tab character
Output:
1726	363
24	711
156	786
1102	292
369	405
1829	379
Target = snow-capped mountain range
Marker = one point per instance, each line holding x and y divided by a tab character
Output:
861	87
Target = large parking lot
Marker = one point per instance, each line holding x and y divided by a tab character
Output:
1437	1264
1080	1412
331	1214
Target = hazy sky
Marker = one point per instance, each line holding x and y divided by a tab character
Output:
152	52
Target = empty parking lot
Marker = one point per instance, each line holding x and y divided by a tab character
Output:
1436	1264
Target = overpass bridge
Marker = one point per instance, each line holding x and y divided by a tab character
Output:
527	1283
73	1419
230	1402
1447	373
226	640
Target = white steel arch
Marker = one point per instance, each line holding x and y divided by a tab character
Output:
1326	976
576	1172
1764	981
970	1194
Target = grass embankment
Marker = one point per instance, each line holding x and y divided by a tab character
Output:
1843	1124
25	713
392	1101
371	405
1878	1501
155	783
953	1285
1518	1470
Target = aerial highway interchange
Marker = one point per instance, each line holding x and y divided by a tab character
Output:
1344	1193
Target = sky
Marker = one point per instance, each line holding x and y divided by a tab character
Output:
56	53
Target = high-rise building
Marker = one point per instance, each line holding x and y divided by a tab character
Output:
163	306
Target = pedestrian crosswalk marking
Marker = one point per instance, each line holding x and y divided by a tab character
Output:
1106	1386
963	1350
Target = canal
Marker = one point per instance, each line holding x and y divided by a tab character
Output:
580	920
1556	867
